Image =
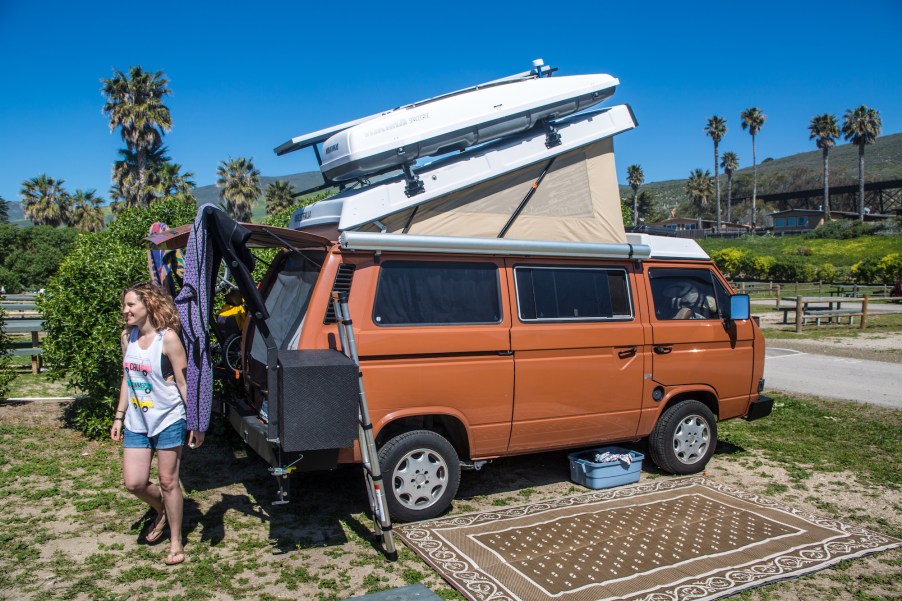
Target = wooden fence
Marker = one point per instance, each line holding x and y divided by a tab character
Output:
22	317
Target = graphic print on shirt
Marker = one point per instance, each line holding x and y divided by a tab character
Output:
140	388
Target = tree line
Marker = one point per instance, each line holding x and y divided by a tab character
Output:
144	172
861	126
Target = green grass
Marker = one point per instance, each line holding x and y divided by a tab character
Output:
877	324
60	486
826	436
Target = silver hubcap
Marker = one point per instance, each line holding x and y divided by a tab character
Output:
420	478
691	439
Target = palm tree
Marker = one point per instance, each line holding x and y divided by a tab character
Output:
134	188
87	216
169	180
240	183
717	129
636	178
45	201
729	161
279	196
700	188
861	126
135	105
753	120
824	128
4	211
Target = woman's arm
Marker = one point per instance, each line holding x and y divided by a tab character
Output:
122	405
175	352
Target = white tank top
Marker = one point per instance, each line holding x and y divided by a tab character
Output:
154	404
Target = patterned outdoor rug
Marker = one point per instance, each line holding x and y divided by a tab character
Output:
685	538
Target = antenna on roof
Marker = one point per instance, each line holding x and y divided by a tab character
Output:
540	69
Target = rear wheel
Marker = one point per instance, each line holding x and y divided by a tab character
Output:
231	352
684	438
421	472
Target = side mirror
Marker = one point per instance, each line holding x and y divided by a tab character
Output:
739	307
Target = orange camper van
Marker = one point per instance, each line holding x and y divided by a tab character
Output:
472	349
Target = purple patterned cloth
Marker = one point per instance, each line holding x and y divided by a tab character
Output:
193	305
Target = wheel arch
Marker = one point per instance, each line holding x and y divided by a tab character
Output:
448	425
705	396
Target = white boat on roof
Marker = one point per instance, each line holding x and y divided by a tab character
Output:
396	139
455	123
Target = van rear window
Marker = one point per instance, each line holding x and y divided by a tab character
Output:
430	293
572	293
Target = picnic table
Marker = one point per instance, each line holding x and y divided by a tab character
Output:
823	307
842	290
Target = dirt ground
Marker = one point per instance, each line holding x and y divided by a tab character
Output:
73	533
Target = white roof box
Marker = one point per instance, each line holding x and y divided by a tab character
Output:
456	122
665	247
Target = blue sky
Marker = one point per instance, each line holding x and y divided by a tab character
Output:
248	76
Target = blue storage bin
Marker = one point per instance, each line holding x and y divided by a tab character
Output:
604	475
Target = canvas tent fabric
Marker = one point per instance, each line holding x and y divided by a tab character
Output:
578	200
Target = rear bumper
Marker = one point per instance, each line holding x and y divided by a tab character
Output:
254	434
760	408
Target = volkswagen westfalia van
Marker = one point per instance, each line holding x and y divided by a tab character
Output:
473	349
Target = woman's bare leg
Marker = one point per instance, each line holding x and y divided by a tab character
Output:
168	461
136	472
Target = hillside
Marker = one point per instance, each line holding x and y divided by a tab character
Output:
883	161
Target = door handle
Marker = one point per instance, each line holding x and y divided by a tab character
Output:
505	353
627	353
663	350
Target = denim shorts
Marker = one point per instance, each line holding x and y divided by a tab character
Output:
172	437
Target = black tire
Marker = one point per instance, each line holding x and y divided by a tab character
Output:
684	439
231	352
421	473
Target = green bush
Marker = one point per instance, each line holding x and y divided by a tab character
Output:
885	270
729	261
889	269
792	269
82	305
30	255
755	267
840	229
7	375
827	273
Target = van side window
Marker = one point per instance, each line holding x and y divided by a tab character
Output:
572	293
686	293
431	293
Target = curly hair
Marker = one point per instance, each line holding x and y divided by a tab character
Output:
160	308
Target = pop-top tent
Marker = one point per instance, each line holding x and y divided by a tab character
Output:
577	200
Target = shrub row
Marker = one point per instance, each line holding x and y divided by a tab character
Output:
738	264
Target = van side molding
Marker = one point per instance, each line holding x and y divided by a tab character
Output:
489	246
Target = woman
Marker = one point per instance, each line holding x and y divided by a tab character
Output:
150	415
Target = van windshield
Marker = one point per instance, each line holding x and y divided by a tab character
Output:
287	301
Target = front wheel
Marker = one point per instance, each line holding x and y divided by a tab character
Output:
421	472
684	438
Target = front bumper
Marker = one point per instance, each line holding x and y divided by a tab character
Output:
760	408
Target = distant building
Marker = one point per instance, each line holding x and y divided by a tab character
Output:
689	224
799	221
795	221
